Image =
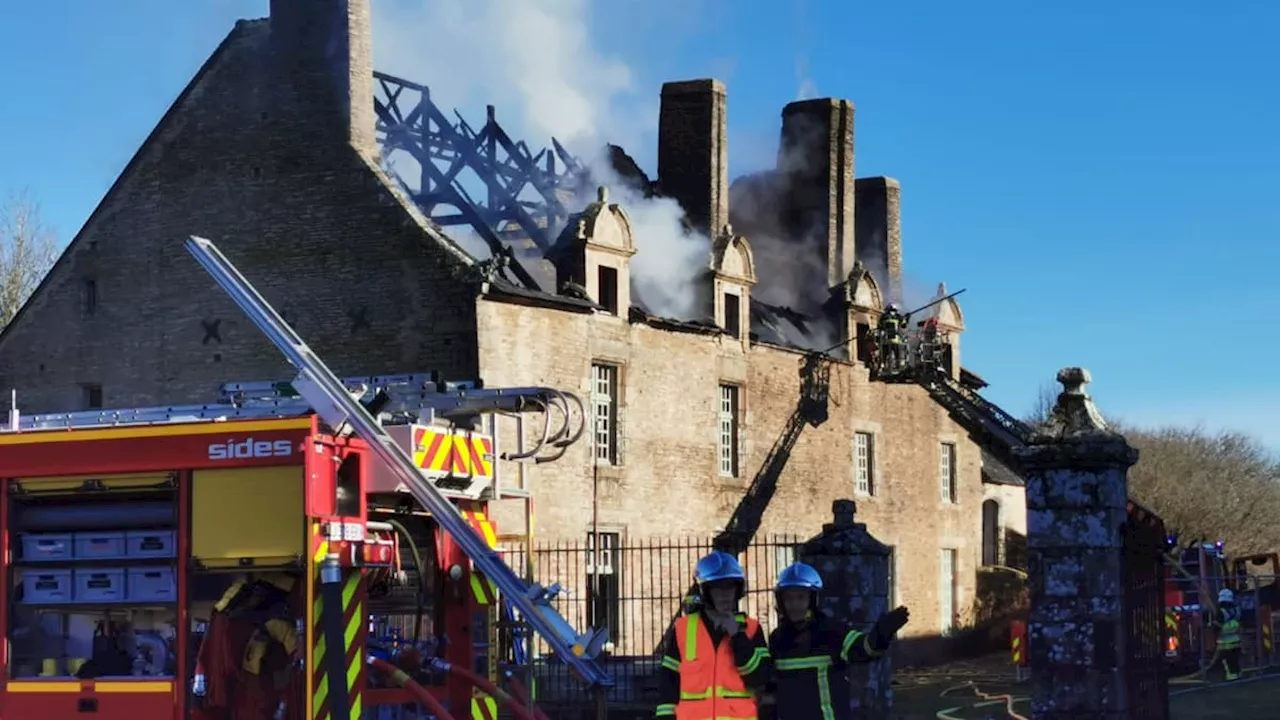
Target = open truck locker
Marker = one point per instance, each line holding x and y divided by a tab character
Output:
275	556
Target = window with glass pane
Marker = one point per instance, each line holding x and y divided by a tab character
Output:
604	412
947	472
947	589
728	431
863	463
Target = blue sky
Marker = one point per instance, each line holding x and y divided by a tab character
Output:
1101	177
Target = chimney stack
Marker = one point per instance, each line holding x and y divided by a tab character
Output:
324	50
693	155
879	232
816	158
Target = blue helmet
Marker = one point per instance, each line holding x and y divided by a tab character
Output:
799	575
719	565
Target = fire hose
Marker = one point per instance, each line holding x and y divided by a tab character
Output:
419	693
486	687
522	694
518	702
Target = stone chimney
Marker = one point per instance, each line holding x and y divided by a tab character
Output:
816	158
323	51
693	155
879	231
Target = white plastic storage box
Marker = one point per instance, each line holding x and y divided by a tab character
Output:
99	545
37	548
152	584
99	585
150	543
46	586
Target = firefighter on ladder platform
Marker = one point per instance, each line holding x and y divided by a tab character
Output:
808	651
715	660
1227	622
892	341
247	663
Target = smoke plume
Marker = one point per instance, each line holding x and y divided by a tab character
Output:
538	63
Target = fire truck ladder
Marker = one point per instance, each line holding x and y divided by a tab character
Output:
331	401
996	429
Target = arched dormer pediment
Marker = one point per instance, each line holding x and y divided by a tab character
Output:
862	292
606	226
948	312
732	259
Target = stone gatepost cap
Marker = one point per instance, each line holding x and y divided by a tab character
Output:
1075	431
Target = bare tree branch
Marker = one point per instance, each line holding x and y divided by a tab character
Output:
28	248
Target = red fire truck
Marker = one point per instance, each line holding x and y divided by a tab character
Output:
317	548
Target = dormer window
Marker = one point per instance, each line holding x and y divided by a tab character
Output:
732	315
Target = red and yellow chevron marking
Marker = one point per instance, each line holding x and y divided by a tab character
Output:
319	543
454	453
353	592
484	707
485	591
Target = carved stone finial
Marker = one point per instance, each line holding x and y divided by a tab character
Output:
1075	413
602	194
942	289
728	231
843	512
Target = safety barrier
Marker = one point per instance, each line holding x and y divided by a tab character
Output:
636	589
1018	646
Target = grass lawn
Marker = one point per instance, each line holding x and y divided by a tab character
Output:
1258	700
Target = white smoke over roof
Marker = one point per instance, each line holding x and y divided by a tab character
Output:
540	63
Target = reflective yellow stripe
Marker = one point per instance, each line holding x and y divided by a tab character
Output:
665	710
824	695
670	663
691	639
720	693
812	662
757	656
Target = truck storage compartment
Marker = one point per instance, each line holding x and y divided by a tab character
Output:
99	585
99	545
41	587
43	547
85	516
151	584
150	543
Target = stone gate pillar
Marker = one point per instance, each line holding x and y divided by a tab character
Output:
855	577
1076	471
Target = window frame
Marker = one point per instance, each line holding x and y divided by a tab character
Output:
729	430
608	375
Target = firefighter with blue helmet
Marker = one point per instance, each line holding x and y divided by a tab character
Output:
812	655
715	659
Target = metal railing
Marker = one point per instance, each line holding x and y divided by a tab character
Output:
636	589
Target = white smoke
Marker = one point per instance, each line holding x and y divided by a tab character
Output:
540	64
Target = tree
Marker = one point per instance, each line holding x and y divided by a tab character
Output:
1207	486
28	248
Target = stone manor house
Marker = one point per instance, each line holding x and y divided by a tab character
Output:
271	152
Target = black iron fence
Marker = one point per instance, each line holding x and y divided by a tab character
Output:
636	589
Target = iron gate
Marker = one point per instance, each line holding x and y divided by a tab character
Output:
1146	680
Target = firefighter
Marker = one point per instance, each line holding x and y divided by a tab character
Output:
246	659
1227	622
893	344
715	659
808	650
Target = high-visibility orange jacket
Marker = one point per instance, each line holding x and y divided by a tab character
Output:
707	675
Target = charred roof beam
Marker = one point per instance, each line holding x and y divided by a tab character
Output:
508	169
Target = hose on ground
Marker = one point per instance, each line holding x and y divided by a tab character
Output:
1007	698
419	693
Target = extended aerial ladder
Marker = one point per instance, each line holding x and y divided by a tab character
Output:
331	400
